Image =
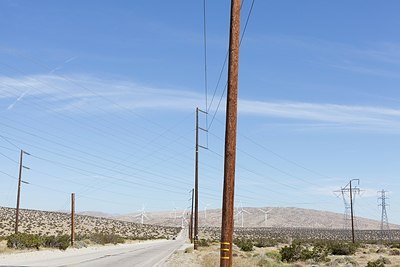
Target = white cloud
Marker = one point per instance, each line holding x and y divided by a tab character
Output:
79	92
87	93
365	117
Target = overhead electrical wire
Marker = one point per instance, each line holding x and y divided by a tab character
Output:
90	126
95	165
73	168
13	160
163	146
66	78
276	155
117	163
142	144
224	64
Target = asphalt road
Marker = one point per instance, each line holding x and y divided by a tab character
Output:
152	253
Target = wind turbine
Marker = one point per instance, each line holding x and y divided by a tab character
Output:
241	212
174	212
265	215
205	213
183	218
142	215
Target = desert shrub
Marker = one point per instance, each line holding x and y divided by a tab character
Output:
291	253
262	243
61	242
394	252
101	238
274	255
203	242
244	244
342	248
24	241
296	251
379	262
395	245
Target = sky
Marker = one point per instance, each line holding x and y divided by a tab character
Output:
102	95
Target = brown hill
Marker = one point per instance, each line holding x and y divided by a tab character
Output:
257	217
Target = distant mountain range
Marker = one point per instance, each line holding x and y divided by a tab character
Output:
252	217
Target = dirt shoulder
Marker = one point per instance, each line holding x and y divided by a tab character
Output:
269	256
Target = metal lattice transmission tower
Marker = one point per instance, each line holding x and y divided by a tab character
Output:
344	192
347	209
348	194
382	197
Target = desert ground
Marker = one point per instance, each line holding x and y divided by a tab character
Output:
284	225
269	256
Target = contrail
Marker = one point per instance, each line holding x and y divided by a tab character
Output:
52	71
18	99
61	65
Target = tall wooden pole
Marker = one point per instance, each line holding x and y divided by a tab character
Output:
352	216
230	138
72	219
196	184
18	192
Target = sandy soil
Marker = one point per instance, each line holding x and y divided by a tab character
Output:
209	256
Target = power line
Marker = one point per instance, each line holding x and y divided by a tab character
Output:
97	165
40	63
80	170
9	175
142	145
123	140
13	160
224	64
276	154
119	163
269	165
5	139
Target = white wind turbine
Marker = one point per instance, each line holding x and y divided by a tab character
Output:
174	211
205	213
265	215
183	218
241	212
142	215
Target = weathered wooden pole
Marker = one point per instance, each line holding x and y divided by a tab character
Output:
230	138
72	219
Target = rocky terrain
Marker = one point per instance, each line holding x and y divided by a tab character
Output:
56	223
283	222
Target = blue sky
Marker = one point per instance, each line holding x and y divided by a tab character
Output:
103	97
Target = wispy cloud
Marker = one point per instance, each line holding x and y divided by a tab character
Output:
74	93
372	58
88	93
345	116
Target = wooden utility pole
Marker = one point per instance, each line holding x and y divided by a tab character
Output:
196	179
72	219
196	183
230	138
19	189
191	219
352	212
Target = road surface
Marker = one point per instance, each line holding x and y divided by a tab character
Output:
149	253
